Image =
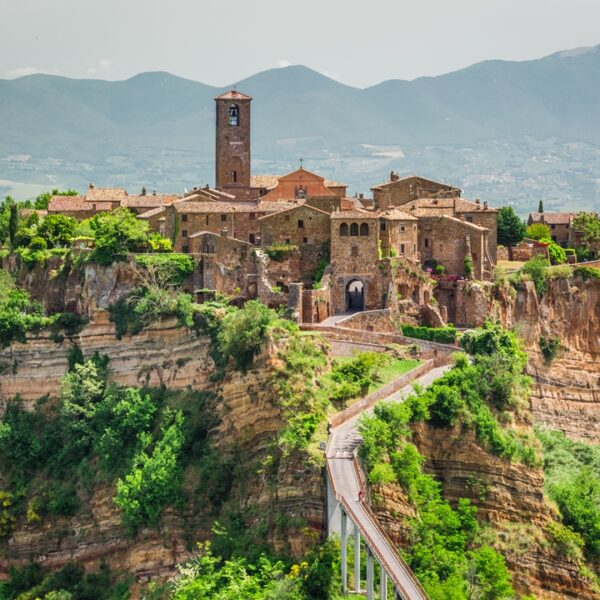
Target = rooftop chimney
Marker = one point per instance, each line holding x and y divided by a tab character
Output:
143	190
477	200
485	205
154	192
91	185
224	233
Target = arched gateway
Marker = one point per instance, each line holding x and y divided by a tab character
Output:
355	295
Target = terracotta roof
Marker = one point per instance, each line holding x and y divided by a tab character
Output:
76	203
556	218
465	224
206	193
95	194
435	204
267	207
395	214
353	214
152	212
233	95
414	177
214	207
289	208
149	201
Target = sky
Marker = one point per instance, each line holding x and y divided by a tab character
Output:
219	42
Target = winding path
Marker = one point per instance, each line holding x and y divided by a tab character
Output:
345	480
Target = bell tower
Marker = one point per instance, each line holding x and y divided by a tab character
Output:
232	156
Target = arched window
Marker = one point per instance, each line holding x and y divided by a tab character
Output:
364	229
354	229
234	115
344	229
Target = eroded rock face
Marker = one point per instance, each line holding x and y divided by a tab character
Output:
162	354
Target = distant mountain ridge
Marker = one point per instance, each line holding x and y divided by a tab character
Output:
157	128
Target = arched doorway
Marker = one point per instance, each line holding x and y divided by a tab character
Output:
355	295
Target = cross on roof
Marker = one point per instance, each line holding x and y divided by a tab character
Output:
301	162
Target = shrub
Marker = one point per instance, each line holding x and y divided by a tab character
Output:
442	335
566	541
469	267
549	347
279	251
557	254
538	231
382	474
587	273
38	243
440	269
57	230
172	269
243	332
537	269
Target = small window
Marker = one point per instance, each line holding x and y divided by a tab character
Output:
234	176
305	240
251	238
354	229
300	224
474	256
184	218
184	233
185	249
354	251
207	219
364	229
414	247
252	216
223	217
382	224
426	243
402	228
287	217
553	226
344	229
288	241
470	218
401	248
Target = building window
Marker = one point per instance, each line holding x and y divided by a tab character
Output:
234	176
223	217
207	219
382	224
300	224
184	218
234	115
354	251
474	256
552	226
305	240
288	241
364	229
251	238
402	228
426	243
344	229
401	248
414	247
354	229
184	233
470	218
252	216
185	249
287	217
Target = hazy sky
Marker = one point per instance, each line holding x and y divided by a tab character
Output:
359	42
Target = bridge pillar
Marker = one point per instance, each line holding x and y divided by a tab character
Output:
397	595
356	560
382	583
370	576
344	528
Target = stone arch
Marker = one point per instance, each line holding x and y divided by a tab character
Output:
364	229
354	229
354	294
344	229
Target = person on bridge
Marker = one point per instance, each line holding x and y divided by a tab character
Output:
361	495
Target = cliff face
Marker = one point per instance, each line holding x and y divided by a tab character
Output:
285	496
566	395
162	354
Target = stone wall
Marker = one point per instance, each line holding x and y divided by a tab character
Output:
316	305
370	320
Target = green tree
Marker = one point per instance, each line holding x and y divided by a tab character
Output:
489	576
117	233
588	226
558	256
541	206
42	201
511	230
13	224
58	230
538	231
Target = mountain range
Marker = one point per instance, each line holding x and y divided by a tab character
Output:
509	132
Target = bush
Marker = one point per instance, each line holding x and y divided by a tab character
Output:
441	335
38	243
557	254
587	273
549	347
440	269
243	332
469	267
279	251
537	269
172	268
538	231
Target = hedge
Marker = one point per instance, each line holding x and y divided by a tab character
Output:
442	335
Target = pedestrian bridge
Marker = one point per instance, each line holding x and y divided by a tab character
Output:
350	516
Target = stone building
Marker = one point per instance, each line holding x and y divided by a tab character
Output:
559	224
399	190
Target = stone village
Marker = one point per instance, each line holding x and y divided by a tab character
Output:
297	239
